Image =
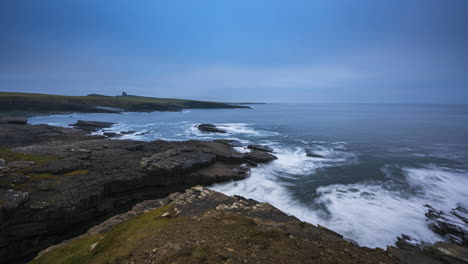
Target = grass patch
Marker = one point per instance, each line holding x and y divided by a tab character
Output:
10	155
76	173
42	176
116	245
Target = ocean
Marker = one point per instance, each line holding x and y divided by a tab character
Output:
380	163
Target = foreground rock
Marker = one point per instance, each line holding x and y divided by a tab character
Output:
210	128
203	226
57	182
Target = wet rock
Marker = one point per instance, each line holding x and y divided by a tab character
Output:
210	128
127	132
451	225
260	148
110	134
233	143
311	154
406	242
256	156
91	126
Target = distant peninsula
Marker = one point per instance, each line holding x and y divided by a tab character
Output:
29	104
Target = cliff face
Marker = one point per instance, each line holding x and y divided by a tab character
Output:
57	182
203	226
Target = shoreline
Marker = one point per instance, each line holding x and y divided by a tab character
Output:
63	157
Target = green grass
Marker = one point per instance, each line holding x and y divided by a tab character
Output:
115	245
10	155
31	102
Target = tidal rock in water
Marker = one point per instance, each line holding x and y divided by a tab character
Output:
260	148
210	128
110	134
452	225
91	126
256	156
312	154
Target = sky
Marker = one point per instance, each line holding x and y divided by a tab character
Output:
310	51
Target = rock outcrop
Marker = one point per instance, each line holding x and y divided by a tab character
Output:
91	126
260	147
210	128
204	226
452	225
59	182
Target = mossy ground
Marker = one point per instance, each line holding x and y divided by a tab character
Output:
112	247
10	156
9	176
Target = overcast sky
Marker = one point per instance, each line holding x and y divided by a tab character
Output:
371	51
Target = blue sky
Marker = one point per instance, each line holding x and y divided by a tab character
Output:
357	51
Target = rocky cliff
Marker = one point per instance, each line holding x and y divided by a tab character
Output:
57	182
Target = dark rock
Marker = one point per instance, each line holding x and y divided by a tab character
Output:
12	199
82	153
210	128
2	164
447	253
91	126
313	155
110	134
256	156
233	143
260	148
20	164
127	132
60	166
451	225
137	147
13	121
406	242
411	256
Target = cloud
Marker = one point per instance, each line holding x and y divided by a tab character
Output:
258	77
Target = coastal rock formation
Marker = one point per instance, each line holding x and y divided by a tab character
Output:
57	182
91	126
452	225
204	226
312	154
260	147
210	128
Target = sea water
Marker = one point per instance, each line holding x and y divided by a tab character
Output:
381	163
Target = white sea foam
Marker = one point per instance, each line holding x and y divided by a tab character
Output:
371	213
